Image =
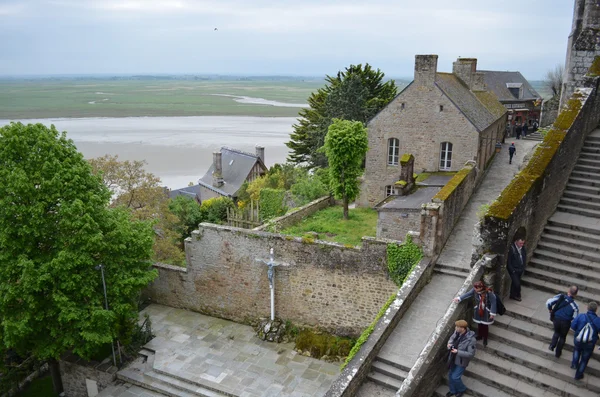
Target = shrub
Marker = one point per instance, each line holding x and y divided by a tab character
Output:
272	203
215	209
321	344
307	189
402	259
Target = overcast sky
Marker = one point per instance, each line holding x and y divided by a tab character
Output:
278	37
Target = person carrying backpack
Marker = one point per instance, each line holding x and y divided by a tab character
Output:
586	327
484	308
563	310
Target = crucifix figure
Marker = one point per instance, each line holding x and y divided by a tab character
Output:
271	274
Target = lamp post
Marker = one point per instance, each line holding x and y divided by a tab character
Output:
112	346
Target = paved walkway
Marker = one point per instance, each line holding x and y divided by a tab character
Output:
206	350
413	331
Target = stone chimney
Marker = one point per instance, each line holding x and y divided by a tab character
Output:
464	68
478	84
218	172
260	153
425	69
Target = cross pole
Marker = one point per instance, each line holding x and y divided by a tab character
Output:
271	274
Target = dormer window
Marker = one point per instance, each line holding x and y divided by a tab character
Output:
515	89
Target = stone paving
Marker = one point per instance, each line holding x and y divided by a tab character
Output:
458	249
413	331
202	349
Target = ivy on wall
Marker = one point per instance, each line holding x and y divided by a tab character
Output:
401	259
272	203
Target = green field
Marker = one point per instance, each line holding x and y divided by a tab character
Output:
122	98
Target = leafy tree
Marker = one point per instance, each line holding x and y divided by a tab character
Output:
357	93
345	146
55	228
307	189
554	78
189	214
140	192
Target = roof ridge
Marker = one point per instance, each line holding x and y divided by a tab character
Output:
238	151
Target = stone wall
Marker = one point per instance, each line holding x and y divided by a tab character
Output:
78	374
549	111
396	223
583	46
439	217
351	378
532	196
297	215
321	284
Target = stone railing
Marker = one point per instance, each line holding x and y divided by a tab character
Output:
297	215
349	381
525	205
425	376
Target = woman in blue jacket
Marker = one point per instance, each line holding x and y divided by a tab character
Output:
484	309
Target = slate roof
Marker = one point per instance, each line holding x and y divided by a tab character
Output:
236	167
190	191
465	100
490	101
496	82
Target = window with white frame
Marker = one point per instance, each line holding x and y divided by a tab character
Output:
390	190
445	156
393	151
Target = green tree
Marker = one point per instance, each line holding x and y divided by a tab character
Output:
55	228
357	94
189	213
346	144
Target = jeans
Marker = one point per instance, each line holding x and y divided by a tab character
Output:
581	355
515	285
454	381
561	329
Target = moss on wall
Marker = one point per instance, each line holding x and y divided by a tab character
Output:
594	68
406	157
453	183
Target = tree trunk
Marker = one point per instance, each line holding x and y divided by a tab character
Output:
55	373
345	207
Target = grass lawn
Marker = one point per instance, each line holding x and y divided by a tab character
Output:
40	387
331	226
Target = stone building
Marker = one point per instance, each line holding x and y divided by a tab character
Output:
228	172
583	47
513	90
442	119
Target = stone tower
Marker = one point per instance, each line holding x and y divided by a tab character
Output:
583	47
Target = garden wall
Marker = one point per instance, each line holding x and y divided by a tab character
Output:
318	283
297	215
532	196
396	223
83	378
439	217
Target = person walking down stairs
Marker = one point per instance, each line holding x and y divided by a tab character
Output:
563	310
484	309
461	346
586	327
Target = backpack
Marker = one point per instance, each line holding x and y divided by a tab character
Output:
500	309
587	332
557	305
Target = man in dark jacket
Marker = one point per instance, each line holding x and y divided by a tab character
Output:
518	130
525	129
462	350
583	350
511	152
563	310
517	255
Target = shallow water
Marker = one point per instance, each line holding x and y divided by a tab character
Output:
177	149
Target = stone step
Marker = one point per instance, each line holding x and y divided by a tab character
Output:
589	155
556	378
464	270
187	388
537	329
578	211
393	363
575	187
559	268
584	284
567	250
384	380
593	163
585	175
389	370
579	195
474	388
451	272
554	288
201	384
574	239
138	379
573	224
584	181
591	149
584	204
592	139
517	347
588	168
565	259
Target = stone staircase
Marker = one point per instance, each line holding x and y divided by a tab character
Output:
534	136
517	361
